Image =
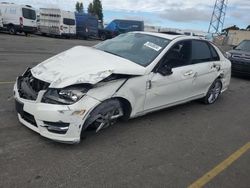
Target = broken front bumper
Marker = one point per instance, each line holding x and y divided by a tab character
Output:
61	123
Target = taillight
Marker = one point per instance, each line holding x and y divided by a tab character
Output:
61	27
21	21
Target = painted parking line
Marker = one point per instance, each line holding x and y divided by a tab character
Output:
2	83
220	167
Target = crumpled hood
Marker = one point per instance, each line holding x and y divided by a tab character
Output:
83	65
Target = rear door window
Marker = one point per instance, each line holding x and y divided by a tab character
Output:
214	53
68	21
200	52
29	14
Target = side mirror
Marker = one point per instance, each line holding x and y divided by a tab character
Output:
165	70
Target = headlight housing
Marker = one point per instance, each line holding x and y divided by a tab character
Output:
65	96
228	55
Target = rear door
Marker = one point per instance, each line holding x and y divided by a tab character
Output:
28	17
206	63
69	26
92	26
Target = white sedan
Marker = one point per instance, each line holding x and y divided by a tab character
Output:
125	77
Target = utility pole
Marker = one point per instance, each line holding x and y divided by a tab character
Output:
218	17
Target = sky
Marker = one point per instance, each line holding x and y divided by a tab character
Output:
181	14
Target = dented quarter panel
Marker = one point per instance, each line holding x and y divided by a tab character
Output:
83	65
134	90
105	90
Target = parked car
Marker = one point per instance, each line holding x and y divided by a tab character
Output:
86	26
57	22
240	58
18	18
125	77
1	20
117	27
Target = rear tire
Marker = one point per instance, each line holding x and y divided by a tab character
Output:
213	92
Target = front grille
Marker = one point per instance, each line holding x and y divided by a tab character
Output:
238	62
29	86
241	57
240	67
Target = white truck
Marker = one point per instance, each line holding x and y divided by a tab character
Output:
57	22
18	18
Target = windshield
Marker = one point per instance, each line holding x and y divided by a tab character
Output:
244	45
68	21
140	48
29	14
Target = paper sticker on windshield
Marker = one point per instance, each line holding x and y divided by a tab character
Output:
153	46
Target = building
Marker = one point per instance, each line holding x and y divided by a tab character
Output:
236	36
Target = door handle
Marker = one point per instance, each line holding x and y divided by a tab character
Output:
189	73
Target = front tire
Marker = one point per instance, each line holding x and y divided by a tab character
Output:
12	30
103	37
104	115
213	92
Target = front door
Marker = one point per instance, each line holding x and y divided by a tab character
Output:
168	90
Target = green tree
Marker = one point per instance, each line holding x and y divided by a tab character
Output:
90	9
79	7
97	9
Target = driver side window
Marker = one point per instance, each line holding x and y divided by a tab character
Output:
179	55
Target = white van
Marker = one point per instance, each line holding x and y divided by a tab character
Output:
57	22
18	18
1	20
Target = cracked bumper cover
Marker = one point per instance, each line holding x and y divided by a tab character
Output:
49	119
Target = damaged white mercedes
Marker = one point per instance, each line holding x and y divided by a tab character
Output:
122	78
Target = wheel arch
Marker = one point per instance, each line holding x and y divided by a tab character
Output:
126	106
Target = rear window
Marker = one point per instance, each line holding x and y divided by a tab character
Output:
215	55
68	21
29	14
